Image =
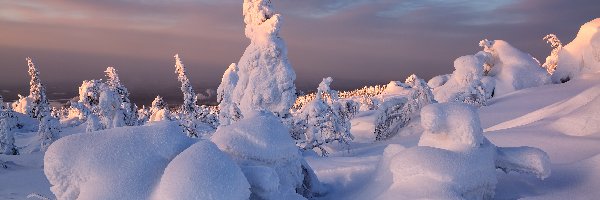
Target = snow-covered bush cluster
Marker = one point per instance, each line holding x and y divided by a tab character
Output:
453	159
401	101
365	97
323	120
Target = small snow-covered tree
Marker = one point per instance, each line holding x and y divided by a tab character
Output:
49	126
114	83
189	107
7	123
423	94
552	60
143	115
323	120
159	110
392	114
228	110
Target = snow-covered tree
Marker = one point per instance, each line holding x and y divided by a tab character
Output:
114	83
465	85
7	124
552	60
159	110
143	115
189	107
228	110
423	94
392	114
266	78
49	126
323	120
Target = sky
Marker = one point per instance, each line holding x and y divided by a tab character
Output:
357	42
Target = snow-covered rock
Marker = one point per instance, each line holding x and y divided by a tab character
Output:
203	171
119	163
582	55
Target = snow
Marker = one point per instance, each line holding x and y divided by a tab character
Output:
262	146
451	126
203	171
464	85
580	56
119	163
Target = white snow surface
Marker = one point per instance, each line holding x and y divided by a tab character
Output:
202	171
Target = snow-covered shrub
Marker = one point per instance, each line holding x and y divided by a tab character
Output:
261	144
228	110
120	163
126	107
159	111
454	160
392	115
8	123
580	56
422	94
265	76
324	120
144	115
511	68
465	83
202	171
552	59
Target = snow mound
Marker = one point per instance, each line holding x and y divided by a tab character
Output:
120	163
582	55
268	156
514	69
203	172
453	159
439	80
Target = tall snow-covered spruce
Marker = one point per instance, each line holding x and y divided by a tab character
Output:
49	126
228	110
265	76
263	89
189	107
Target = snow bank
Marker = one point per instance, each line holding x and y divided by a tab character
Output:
512	68
203	172
120	163
453	159
582	55
268	156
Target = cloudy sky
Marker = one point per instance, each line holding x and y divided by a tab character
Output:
357	42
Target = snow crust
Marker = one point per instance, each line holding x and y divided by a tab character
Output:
202	171
580	56
120	163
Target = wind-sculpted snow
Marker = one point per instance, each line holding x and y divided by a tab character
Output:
120	163
202	171
464	85
453	159
580	56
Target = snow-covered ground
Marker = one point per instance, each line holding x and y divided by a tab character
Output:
529	117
